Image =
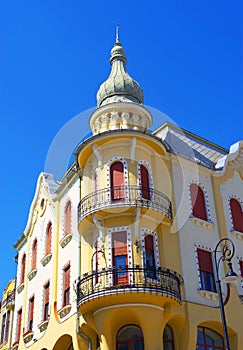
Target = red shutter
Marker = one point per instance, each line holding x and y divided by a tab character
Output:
34	254
241	267
117	180
19	321
68	219
119	243
23	263
66	278
149	243
144	175
205	260
31	309
48	238
198	202
237	215
47	293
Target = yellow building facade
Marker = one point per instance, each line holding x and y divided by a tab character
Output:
118	254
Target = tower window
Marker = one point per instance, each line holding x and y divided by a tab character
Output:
117	181
144	179
198	202
130	337
119	248
237	215
149	257
206	270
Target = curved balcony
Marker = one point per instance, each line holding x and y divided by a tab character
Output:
125	196
132	280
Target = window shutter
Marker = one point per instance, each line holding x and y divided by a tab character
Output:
47	293
205	260
198	202
31	309
117	180
237	215
68	219
34	254
48	238
19	321
144	182
23	263
119	243
66	278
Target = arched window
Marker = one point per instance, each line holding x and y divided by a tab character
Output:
34	254
237	215
168	338
206	270
198	202
68	211
129	338
144	178
48	238
22	273
207	339
117	180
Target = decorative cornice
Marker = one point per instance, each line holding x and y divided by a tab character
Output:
234	160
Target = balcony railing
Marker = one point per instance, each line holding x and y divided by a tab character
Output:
136	279
10	299
124	196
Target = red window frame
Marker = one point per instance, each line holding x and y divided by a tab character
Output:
46	301
206	345
120	258
144	179
23	265
150	267
19	322
31	312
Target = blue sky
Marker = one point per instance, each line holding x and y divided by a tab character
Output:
186	55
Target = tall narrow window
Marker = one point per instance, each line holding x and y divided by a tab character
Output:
206	270
3	328
149	257
68	211
207	339
198	202
168	338
34	254
66	285
129	338
119	245
117	180
7	326
31	313
46	301
144	178
237	215
22	272
48	238
19	321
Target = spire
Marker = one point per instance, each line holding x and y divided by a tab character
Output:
119	87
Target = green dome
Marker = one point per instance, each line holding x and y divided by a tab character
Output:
119	87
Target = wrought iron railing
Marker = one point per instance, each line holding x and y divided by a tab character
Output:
115	280
122	196
10	299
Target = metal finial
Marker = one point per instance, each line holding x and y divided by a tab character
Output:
117	33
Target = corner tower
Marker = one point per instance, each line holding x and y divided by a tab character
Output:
120	98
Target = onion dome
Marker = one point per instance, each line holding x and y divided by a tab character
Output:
119	87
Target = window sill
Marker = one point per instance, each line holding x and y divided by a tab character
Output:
28	336
66	239
46	259
32	274
43	326
208	295
237	234
15	346
64	311
20	288
202	223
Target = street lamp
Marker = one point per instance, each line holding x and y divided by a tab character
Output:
227	250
